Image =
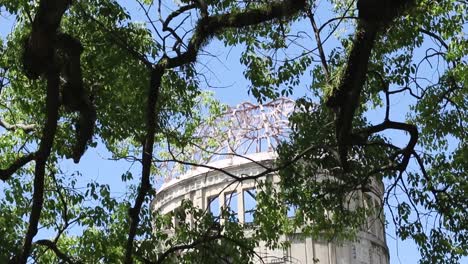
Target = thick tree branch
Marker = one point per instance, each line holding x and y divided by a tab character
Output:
40	52
145	184
12	127
39	58
47	140
39	47
53	246
209	26
345	99
5	174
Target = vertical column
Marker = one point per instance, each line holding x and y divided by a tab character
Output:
240	205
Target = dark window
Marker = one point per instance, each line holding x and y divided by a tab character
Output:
249	205
230	201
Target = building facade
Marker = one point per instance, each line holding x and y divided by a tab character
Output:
210	189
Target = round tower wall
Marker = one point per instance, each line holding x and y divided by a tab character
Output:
203	184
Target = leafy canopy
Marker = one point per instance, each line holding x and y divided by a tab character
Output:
385	99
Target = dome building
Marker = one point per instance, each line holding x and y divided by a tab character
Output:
249	138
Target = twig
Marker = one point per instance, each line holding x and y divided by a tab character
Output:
319	44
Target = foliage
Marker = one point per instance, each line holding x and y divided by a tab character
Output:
142	65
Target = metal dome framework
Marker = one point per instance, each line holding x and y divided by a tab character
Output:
244	129
258	128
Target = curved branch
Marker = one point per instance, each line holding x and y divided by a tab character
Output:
209	26
12	127
194	244
176	13
53	246
266	171
406	88
435	36
412	130
198	242
334	19
5	174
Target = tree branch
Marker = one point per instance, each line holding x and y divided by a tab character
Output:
47	140
53	246
195	243
145	184
5	174
119	41
435	36
25	127
319	44
176	13
266	171
345	99
387	124
209	26
39	59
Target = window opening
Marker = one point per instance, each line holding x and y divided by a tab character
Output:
230	201
213	207
291	210
371	214
250	205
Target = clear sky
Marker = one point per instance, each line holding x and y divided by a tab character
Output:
224	73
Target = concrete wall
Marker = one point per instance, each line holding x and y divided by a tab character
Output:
201	184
